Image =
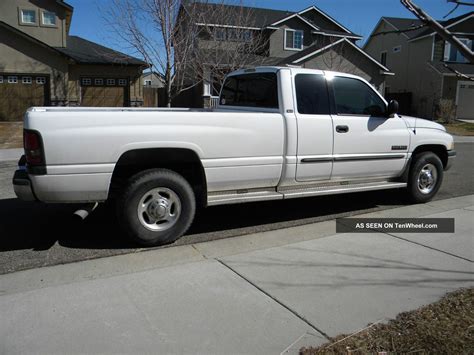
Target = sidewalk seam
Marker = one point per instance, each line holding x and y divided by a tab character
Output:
275	300
428	247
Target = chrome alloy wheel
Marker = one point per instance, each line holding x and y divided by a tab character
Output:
427	178
159	209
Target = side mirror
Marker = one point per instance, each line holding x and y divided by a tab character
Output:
392	108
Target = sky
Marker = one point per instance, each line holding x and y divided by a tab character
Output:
360	16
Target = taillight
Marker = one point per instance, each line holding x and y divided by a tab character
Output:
33	148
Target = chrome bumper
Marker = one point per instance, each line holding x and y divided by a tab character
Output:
451	157
22	184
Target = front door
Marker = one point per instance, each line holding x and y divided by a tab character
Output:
315	131
367	143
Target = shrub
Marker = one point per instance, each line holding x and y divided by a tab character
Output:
446	111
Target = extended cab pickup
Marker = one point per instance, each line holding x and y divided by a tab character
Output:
277	133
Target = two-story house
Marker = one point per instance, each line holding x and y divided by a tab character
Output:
309	38
41	64
424	64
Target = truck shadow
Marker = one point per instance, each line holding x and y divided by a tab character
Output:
39	226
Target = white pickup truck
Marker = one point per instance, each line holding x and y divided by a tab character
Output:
277	133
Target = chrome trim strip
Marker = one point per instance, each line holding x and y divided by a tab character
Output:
352	158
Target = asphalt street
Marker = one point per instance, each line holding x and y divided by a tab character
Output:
34	234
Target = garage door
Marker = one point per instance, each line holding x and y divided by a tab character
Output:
465	100
18	93
104	92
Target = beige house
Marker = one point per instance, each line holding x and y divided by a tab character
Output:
41	64
309	38
425	65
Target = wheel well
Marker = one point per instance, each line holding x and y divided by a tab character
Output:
439	150
183	161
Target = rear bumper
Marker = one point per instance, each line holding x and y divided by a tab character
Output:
451	157
22	185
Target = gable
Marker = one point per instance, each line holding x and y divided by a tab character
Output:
322	21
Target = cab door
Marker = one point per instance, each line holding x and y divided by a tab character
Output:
367	143
315	129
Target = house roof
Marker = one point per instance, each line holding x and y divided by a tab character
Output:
465	68
406	23
258	18
82	51
87	52
315	50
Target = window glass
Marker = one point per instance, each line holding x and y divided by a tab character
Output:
49	18
28	16
41	80
293	39
110	81
99	82
12	79
26	80
354	97
254	90
312	94
454	55
1	79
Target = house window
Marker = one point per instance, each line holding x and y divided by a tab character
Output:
110	81
383	58
293	40
41	80
49	18
98	81
397	49
86	81
148	82
12	79
123	82
28	17
26	80
221	34
452	54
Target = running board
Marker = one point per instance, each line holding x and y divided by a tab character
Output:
342	189
229	197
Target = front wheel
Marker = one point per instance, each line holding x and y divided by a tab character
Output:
425	177
157	207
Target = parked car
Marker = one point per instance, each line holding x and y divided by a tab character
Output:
278	133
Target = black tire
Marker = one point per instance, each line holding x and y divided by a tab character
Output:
135	191
421	161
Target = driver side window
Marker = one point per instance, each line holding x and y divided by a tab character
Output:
354	97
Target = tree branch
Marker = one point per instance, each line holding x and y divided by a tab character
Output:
439	29
458	73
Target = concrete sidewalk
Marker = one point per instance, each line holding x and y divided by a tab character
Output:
265	293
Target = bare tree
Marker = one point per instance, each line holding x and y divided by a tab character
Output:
230	38
169	35
439	29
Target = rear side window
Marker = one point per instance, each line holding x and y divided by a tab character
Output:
253	90
354	97
312	94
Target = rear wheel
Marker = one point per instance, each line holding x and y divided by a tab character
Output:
425	177
157	207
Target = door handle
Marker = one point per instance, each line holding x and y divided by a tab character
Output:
342	129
